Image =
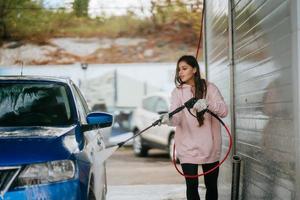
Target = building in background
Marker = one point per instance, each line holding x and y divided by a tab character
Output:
118	91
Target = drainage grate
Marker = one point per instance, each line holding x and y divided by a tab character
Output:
7	176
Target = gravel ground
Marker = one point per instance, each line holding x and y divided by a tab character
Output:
93	50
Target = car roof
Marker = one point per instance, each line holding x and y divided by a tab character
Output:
66	80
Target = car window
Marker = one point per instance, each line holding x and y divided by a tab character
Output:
149	103
34	104
161	105
81	105
82	100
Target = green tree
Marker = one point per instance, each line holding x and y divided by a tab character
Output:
177	14
80	8
7	7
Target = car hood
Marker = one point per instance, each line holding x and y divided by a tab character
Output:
26	145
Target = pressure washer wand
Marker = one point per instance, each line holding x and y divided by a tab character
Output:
109	150
189	104
153	124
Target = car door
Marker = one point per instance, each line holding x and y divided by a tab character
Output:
82	112
161	133
94	143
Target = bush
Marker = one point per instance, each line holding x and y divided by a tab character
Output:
38	24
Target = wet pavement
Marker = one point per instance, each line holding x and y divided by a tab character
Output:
154	192
147	192
150	178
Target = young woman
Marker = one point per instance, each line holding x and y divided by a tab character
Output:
198	140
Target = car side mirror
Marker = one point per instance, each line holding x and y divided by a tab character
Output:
97	120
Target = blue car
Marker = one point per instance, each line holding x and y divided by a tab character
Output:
49	141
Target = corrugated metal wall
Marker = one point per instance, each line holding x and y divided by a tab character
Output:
264	101
265	129
218	70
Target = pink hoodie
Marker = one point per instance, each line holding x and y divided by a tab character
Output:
194	144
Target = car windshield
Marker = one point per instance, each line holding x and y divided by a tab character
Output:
34	104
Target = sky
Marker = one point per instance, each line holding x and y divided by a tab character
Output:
109	7
118	7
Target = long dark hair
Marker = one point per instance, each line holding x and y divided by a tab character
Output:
200	84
